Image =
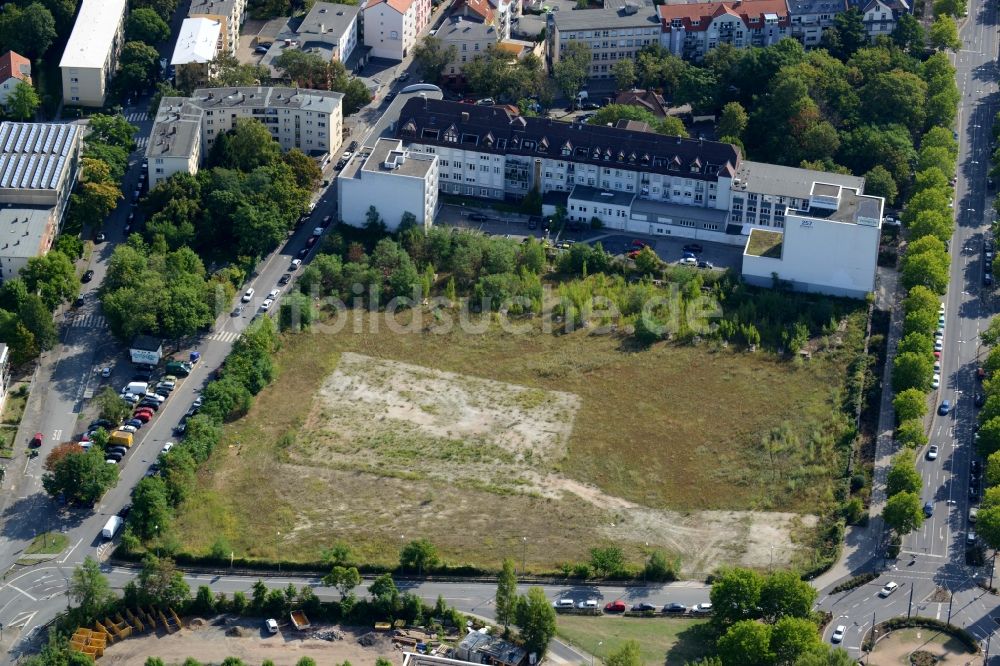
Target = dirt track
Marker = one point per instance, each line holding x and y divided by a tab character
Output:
209	644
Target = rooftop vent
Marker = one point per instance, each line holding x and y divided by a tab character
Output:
465	116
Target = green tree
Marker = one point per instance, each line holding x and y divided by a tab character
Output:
138	66
89	589
81	477
988	525
607	561
660	568
911	370
733	120
992	469
747	643
903	512
926	263
785	594
53	277
735	596
629	654
847	35
420	554
161	584
647	263
150	516
145	25
989	437
91	203
880	183
344	579
431	56
943	34
29	30
910	404
903	476
792	637
911	434
537	621
573	68
111	406
908	33
23	101
506	597
624	73
931	223
307	172
248	146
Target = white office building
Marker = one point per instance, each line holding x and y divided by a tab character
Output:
393	179
91	55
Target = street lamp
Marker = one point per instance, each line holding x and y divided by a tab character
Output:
524	554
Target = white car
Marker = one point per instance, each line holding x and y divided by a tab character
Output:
105	372
941	309
272	626
688	261
936	381
938	345
318	231
266	305
247	295
166	447
838	634
932	452
273	294
888	589
128	428
937	366
295	264
702	609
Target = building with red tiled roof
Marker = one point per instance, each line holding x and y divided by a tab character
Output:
14	68
475	10
392	26
692	30
644	99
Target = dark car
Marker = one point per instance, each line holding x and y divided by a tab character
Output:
180	428
944	408
135	423
979	400
311	241
354	144
987	278
533	221
675	608
101	237
80	300
590	106
125	510
404	76
87	276
152	404
693	247
973	492
643	607
705	264
285	279
101	423
303	252
974	468
116	449
36	441
928	509
114	457
477	217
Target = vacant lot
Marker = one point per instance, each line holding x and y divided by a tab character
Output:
537	446
668	641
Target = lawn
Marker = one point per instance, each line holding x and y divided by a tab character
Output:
7	435
49	543
534	446
765	244
13	409
666	641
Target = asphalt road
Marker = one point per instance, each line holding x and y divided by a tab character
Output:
933	577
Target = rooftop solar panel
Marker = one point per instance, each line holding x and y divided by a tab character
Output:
50	164
22	134
50	137
29	171
21	163
59	168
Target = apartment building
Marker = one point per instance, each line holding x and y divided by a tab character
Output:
328	30
392	26
638	181
470	38
394	179
809	18
691	30
229	13
613	33
38	169
91	54
186	127
198	45
14	69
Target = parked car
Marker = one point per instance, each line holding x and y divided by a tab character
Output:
116	449
705	264
260	49
87	276
101	237
979	400
180	428
675	607
688	261
932	452
285	279
614	607
888	589
938	345
988	278
970	538
166	448
113	457
693	247
304	251
37	440
142	417
101	423
935	381
247	295
124	511
589	604
477	217
271	625
973	514
702	609
266	305
128	428
295	264
643	607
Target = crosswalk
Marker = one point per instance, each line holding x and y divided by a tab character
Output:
224	336
88	321
137	117
141	141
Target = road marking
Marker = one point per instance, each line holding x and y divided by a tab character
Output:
56	435
63	560
16	588
21	619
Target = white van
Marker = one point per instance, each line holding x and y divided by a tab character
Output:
563	603
111	527
136	388
247	295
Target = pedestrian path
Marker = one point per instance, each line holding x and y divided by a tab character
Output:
88	321
224	336
137	117
140	142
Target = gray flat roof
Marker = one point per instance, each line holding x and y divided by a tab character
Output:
787	181
595	195
662	209
460	28
606	17
176	129
406	163
22	229
93	33
327	18
33	156
216	7
271	96
854	208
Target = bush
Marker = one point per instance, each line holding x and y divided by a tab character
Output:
855	582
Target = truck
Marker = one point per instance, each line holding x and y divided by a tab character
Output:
121	438
111	527
300	621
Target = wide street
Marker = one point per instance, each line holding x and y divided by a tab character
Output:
931	571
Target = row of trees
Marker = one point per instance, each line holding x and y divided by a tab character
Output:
988	440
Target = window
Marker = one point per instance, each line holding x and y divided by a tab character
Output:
483	192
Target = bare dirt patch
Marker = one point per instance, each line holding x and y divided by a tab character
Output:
209	644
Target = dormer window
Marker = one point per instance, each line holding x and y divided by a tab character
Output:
621	155
450	135
597	154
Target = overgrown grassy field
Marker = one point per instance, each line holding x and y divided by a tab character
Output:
663	641
657	436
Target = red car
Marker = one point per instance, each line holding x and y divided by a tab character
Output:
36	441
638	243
143	416
614	607
633	254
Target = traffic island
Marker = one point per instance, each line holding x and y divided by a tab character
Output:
917	640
